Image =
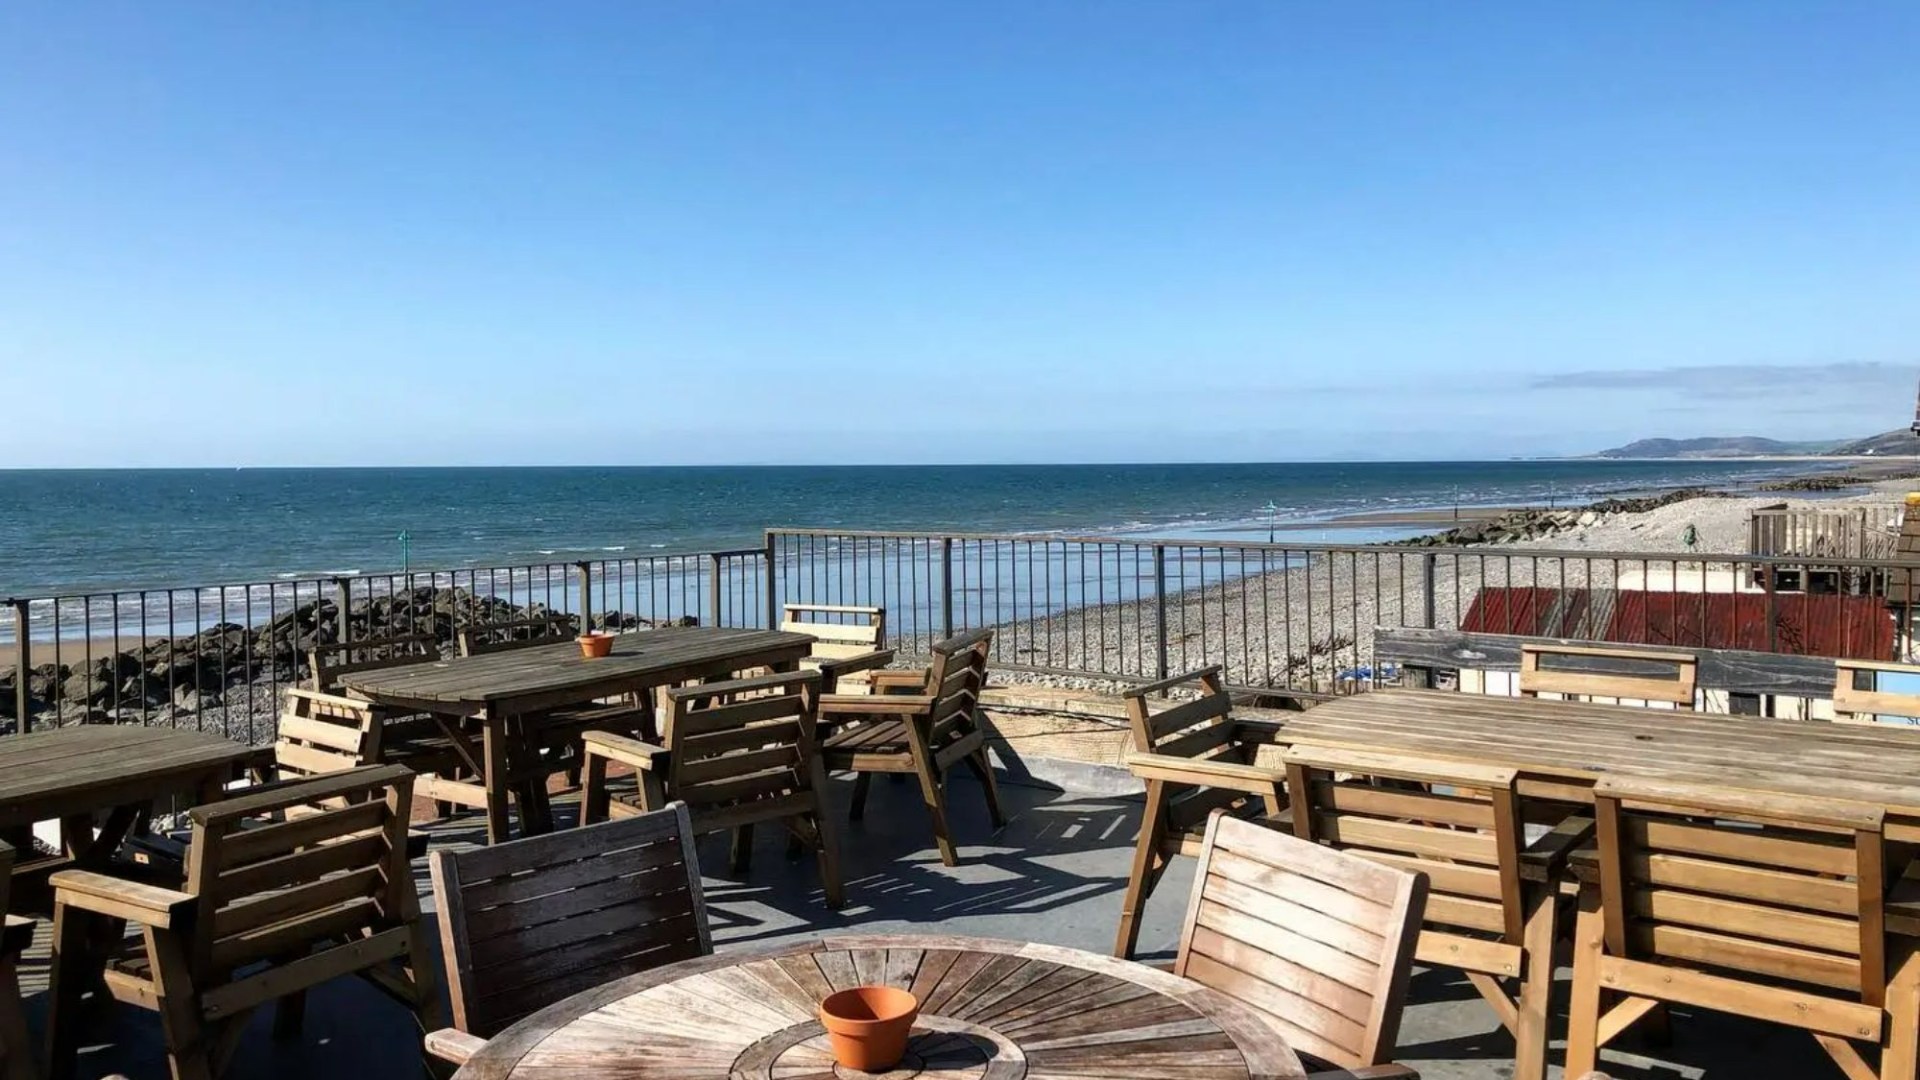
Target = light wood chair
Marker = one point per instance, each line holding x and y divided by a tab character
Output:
918	722
327	663
1631	680
1858	699
1318	942
848	642
1765	906
736	754
1194	758
271	907
16	936
526	923
1493	897
476	639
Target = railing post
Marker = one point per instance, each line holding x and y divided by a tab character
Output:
22	668
713	589
946	586
583	570
342	604
1160	612
772	583
1429	565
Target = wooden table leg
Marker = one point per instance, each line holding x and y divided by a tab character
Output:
494	757
1533	1007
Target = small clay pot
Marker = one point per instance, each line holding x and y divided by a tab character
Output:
595	645
868	1026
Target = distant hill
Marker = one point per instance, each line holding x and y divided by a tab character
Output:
1715	446
1900	443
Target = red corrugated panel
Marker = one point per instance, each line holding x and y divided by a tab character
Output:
1512	610
1803	624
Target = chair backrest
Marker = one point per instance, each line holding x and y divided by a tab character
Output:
956	677
1631	674
327	663
525	633
526	923
275	885
742	750
1318	941
323	733
1744	884
1200	728
839	630
1858	697
1457	823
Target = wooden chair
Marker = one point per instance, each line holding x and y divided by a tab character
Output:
1319	943
1858	698
1628	680
848	642
16	936
327	663
526	923
919	722
1766	906
270	908
1195	758
478	638
1492	899
736	754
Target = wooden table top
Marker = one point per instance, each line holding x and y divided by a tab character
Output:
549	675
991	1010
1579	742
69	770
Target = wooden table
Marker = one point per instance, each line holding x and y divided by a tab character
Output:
69	774
991	1010
1561	748
521	684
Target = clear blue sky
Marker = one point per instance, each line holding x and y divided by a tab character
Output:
377	232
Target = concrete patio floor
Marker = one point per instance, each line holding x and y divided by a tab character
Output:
1055	874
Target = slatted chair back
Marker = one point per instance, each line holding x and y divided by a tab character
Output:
1635	675
1859	699
839	631
324	733
1319	942
526	923
1199	728
326	664
1767	906
527	633
743	751
317	896
955	679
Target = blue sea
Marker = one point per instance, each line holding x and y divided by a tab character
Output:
65	531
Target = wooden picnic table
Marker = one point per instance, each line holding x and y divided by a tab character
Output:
72	774
1560	748
993	1010
507	693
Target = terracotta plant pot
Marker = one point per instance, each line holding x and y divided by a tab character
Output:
868	1026
594	645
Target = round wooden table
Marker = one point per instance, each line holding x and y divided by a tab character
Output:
990	1010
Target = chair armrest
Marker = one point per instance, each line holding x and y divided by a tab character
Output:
1252	779
454	1045
149	905
629	751
1265	732
832	670
914	680
873	704
1542	860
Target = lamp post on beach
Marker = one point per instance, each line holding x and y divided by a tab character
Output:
406	551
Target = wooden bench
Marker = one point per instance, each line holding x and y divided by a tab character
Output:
327	663
1858	699
1537	678
849	642
476	639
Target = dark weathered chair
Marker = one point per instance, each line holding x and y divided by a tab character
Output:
1194	758
921	722
272	906
1765	906
1492	896
1318	942
327	663
475	639
526	923
848	642
16	935
737	754
1537	678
